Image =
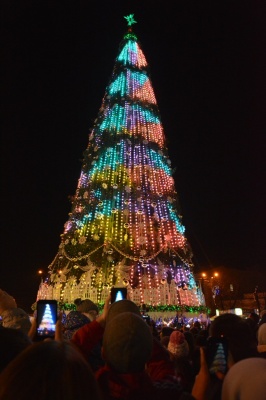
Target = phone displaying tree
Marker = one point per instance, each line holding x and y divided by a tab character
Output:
47	322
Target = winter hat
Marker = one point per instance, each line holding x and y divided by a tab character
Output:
245	380
74	321
121	306
166	331
178	346
16	318
127	343
85	306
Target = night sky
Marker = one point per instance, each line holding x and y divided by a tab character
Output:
207	63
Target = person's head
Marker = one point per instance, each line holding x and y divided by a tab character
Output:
201	338
254	317
120	307
127	343
194	330
87	307
155	331
254	326
166	331
48	370
178	346
196	324
245	380
238	334
12	343
74	320
262	317
191	342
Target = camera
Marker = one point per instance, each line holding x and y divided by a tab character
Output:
118	294
217	354
46	319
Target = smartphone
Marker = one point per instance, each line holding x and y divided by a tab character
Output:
217	354
118	294
46	319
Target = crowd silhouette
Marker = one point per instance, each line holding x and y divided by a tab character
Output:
118	354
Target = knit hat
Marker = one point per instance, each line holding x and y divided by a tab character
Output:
16	318
85	306
127	343
245	380
74	321
178	346
122	306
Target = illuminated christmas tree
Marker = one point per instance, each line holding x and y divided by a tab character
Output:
125	226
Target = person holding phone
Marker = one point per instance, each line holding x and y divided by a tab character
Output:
231	340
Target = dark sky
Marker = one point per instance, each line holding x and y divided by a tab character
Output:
207	63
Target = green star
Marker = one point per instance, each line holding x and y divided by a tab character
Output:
130	19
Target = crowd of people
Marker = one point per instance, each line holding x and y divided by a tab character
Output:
118	354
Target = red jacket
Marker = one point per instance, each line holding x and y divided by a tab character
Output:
156	382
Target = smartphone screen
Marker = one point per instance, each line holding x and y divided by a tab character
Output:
217	354
118	294
46	318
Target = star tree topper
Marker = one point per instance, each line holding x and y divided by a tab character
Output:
130	19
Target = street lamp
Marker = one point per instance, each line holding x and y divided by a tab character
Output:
203	279
210	287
